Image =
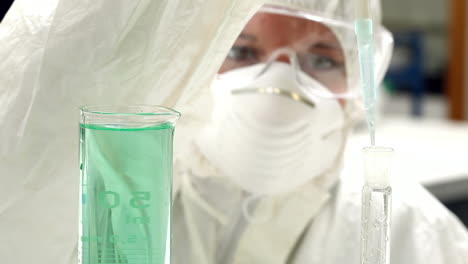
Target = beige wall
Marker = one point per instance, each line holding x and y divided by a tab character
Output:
416	12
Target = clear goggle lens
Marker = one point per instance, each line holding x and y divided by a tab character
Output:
309	46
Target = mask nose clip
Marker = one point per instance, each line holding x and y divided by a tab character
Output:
291	68
281	55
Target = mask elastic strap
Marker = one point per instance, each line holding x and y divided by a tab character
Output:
350	119
195	197
347	124
250	209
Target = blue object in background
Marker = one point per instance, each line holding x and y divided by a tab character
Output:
406	70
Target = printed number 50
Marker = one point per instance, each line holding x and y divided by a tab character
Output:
138	200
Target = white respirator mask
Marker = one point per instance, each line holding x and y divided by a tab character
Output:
267	136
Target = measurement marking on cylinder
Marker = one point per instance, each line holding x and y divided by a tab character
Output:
116	262
120	249
129	255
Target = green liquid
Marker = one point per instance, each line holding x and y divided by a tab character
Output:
126	181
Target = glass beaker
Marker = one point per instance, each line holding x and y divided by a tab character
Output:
126	184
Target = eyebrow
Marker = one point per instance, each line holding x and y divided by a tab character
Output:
328	46
247	37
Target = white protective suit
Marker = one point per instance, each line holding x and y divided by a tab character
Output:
60	54
217	220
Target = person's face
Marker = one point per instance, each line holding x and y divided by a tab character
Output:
319	52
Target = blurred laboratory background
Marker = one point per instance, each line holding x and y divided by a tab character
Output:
424	99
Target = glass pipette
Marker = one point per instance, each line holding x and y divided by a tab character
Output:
364	34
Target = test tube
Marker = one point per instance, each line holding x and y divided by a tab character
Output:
376	206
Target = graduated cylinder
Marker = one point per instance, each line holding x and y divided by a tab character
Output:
125	184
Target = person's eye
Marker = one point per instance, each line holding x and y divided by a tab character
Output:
242	53
320	62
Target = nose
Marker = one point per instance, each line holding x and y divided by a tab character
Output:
285	55
284	58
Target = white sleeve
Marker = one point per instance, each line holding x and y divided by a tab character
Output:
424	231
59	54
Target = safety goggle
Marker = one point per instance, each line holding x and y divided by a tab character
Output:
323	49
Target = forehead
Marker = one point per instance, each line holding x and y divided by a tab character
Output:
292	28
